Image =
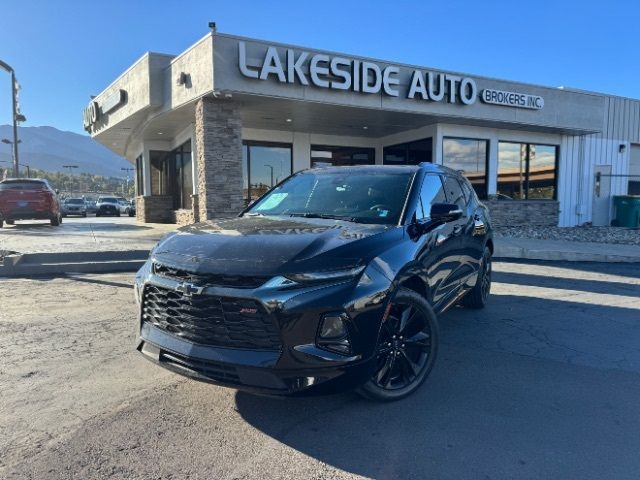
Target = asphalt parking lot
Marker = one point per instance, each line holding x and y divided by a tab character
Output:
81	234
542	384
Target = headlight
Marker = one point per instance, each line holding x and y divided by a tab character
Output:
326	275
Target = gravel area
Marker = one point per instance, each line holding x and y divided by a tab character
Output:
618	235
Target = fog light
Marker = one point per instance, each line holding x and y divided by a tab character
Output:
333	334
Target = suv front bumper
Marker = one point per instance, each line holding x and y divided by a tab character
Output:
299	366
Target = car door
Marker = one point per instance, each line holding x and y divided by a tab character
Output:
436	253
465	253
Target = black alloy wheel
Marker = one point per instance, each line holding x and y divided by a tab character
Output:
479	294
407	348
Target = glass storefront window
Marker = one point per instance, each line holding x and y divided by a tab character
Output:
526	171
323	155
410	153
139	175
183	176
470	156
264	165
172	174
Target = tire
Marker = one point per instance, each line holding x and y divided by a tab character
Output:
131	214
84	215
56	221
478	296
11	222
117	213
403	364
1	223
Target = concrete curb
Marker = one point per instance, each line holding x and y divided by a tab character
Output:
29	264
515	252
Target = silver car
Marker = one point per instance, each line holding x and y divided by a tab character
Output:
74	206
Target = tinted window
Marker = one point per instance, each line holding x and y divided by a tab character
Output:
469	156
430	193
468	191
454	191
108	200
22	185
74	201
358	196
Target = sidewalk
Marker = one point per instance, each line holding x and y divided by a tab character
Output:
563	250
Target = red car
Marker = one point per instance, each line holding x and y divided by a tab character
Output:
28	199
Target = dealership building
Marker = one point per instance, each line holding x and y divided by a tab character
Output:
214	127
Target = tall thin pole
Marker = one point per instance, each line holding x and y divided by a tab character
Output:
14	97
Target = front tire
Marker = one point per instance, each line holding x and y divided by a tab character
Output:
407	348
478	296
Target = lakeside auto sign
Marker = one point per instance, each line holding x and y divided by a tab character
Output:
95	112
340	73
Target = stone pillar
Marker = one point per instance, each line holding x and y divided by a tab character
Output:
218	136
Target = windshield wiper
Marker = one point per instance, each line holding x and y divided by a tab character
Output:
325	216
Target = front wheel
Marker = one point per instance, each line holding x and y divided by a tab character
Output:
407	348
478	296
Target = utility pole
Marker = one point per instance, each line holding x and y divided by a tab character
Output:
17	116
271	167
70	167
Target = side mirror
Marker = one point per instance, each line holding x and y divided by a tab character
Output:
445	212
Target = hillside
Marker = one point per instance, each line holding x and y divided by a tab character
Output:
47	148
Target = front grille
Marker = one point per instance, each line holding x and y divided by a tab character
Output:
210	320
210	369
233	281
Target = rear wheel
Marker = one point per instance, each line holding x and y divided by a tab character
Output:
477	297
407	348
11	222
118	213
57	220
1	222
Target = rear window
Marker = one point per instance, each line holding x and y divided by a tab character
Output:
75	201
108	200
22	185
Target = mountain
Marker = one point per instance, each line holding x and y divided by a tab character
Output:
48	148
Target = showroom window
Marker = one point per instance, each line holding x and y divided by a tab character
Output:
183	168
139	175
469	156
527	171
160	184
172	174
264	164
410	153
323	155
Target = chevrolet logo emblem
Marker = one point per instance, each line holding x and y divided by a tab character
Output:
189	289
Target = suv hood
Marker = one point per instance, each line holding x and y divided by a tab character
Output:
271	246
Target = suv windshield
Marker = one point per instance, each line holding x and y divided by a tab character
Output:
74	201
22	185
356	196
107	200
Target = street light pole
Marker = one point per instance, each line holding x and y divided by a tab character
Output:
70	167
127	169
16	115
271	167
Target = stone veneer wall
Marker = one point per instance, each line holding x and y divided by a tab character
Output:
218	133
508	213
184	217
155	209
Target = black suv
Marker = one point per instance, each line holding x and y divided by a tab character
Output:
332	280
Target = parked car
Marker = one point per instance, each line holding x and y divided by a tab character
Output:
74	206
123	205
28	199
332	280
132	208
106	206
91	206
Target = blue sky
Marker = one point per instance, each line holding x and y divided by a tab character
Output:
64	51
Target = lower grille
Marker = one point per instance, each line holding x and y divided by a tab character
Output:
210	320
214	370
